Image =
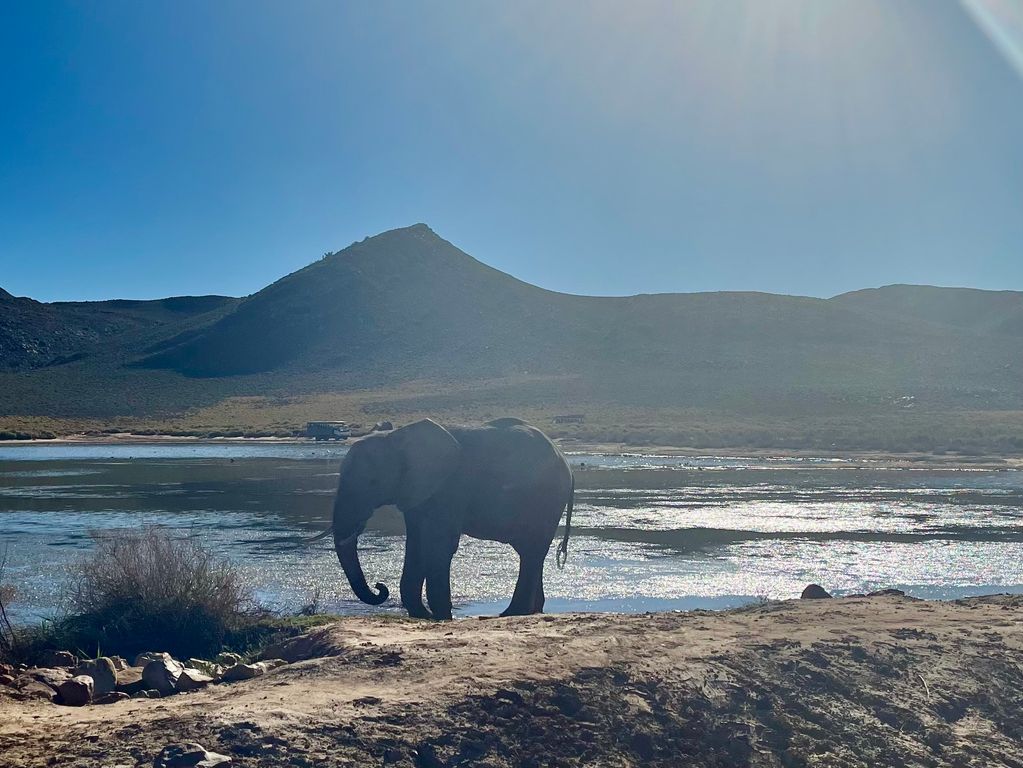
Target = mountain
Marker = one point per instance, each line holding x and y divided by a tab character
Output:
34	335
407	306
404	297
997	312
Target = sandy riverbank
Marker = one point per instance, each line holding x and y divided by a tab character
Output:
882	681
799	458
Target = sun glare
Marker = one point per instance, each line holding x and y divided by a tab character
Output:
1002	22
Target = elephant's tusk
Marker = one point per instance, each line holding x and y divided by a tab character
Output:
317	537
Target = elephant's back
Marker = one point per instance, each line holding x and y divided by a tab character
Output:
508	437
517	480
512	453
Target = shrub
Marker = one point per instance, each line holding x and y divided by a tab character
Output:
8	639
149	590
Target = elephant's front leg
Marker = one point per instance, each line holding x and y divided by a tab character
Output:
438	547
413	572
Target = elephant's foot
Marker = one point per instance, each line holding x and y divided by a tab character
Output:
418	611
512	610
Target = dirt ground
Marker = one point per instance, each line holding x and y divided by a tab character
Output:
883	681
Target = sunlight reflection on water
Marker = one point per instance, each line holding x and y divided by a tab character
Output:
650	533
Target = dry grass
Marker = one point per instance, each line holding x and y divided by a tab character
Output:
8	638
871	425
151	590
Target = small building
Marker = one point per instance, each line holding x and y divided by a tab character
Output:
328	430
569	418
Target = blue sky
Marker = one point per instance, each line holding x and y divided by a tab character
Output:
793	146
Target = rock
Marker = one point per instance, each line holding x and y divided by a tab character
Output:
815	592
244	672
144	658
383	426
162	674
140	695
129	680
58	659
249	671
76	692
192	680
7	669
51	677
7	681
886	593
188	756
111	698
102	672
228	659
119	663
210	668
33	689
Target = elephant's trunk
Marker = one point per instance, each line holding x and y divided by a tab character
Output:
348	556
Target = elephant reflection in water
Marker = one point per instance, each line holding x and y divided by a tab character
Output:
504	481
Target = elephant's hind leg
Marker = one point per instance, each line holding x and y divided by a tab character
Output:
539	598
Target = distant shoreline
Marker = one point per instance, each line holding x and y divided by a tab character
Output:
813	458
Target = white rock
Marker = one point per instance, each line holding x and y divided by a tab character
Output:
188	756
210	668
244	672
144	658
162	674
102	672
192	680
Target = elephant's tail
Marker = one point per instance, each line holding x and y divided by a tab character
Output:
562	554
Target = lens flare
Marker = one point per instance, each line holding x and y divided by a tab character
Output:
1002	22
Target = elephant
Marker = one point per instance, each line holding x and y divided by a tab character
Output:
504	481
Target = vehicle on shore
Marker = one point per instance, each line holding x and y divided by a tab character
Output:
328	430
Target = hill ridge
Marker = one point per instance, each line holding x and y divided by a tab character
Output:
407	305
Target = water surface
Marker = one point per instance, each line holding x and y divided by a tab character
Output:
649	532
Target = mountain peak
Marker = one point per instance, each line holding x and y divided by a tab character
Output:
4	295
415	231
415	235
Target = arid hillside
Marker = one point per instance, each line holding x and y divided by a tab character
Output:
408	311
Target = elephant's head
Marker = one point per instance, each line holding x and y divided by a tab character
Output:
404	468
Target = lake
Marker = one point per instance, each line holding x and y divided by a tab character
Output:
649	532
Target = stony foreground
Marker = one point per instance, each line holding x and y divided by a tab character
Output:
883	681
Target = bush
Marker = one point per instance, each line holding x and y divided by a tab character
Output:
8	639
148	590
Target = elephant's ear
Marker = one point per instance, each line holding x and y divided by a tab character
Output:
429	454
